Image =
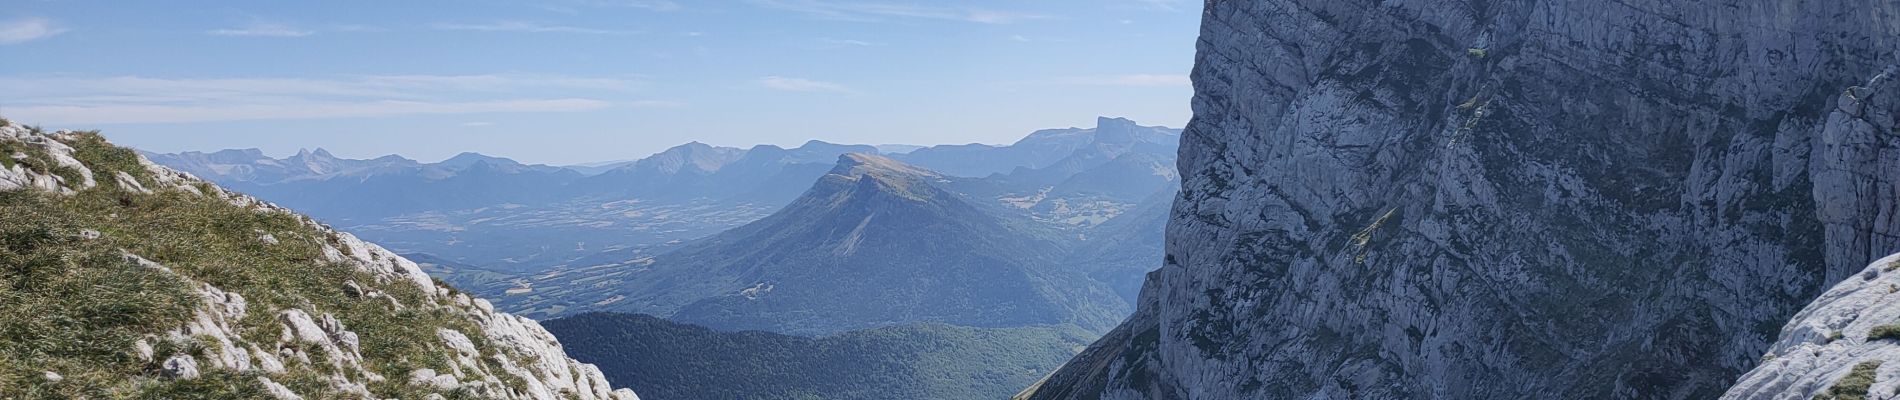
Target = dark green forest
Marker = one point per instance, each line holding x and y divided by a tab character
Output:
669	360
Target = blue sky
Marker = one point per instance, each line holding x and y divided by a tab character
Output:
563	81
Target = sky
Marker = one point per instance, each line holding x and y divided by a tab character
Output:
572	81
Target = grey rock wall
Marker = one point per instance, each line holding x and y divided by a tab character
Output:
1504	199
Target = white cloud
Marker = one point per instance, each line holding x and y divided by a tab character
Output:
263	29
358	28
801	85
1163	5
847	42
1151	80
654	5
137	113
390	86
130	99
27	30
1019	38
530	27
856	11
654	104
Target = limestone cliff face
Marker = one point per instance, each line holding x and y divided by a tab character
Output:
328	323
1821	345
1507	199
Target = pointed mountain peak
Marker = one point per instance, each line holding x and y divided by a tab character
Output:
313	154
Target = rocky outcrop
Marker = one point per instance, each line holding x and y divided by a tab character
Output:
298	336
1856	322
1507	199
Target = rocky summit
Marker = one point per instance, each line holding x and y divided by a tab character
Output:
124	279
1513	199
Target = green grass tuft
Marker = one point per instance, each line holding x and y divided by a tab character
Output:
1889	331
1854	385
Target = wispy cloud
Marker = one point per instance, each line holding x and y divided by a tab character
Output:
655	5
801	85
134	113
1149	80
263	29
476	124
358	28
529	27
153	100
862	11
847	42
27	30
1162	5
653	104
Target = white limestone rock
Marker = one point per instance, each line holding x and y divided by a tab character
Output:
1828	338
181	366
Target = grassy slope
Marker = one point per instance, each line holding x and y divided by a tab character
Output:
75	306
669	360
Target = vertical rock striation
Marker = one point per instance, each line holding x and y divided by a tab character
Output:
1507	199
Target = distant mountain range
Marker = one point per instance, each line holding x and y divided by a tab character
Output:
1057	228
504	216
940	272
352	190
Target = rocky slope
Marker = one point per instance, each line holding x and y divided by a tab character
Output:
1506	199
126	279
1855	323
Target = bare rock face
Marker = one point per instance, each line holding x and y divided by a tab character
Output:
1857	321
1508	199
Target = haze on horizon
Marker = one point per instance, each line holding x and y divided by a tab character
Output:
573	81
